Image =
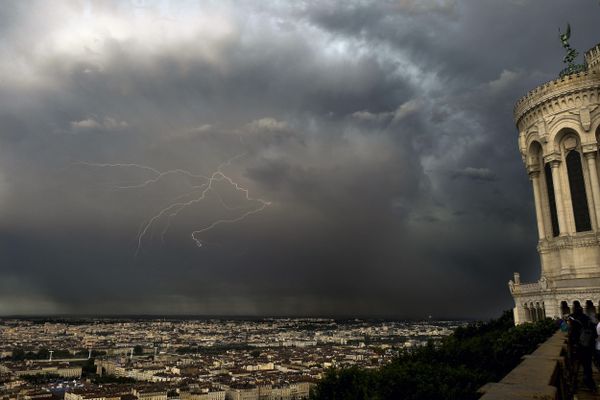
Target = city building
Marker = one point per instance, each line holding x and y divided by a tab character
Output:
559	132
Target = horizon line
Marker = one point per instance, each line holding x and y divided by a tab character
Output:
230	316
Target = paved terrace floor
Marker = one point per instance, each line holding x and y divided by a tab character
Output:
584	393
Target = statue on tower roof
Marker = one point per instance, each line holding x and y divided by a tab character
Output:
571	55
564	37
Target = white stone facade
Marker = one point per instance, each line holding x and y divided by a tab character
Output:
559	136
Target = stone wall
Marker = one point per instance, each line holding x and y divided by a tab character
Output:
541	375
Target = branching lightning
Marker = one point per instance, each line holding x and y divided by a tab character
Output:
119	165
263	205
160	176
198	193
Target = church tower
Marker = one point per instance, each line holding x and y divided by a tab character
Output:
559	136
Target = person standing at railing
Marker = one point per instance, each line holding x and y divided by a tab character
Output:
581	341
597	347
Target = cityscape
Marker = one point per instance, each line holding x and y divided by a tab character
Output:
194	359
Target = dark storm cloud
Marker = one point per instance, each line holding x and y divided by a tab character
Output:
379	136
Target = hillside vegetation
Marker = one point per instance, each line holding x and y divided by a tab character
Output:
451	369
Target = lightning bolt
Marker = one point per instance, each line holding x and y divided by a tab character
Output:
264	204
198	193
162	175
158	175
119	165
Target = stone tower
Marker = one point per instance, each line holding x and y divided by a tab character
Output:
559	136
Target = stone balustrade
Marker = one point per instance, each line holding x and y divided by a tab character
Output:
528	288
541	375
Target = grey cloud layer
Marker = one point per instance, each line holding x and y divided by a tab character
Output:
380	131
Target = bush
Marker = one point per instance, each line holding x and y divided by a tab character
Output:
99	380
452	369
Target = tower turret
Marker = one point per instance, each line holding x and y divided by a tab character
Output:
592	58
559	132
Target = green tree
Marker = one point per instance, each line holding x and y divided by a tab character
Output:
43	354
18	354
255	353
451	369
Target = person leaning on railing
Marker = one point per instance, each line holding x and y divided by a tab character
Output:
597	346
581	343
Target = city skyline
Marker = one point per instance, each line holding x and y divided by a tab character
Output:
265	158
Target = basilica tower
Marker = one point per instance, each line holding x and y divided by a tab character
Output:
559	136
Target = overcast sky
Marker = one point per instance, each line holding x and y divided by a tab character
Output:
270	157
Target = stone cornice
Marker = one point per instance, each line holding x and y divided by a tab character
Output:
563	294
568	242
561	87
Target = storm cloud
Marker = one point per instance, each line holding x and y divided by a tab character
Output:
377	136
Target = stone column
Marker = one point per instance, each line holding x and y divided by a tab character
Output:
524	317
519	314
538	312
550	309
534	175
558	197
530	314
591	162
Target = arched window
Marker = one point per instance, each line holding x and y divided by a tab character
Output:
551	199
533	311
590	309
564	308
581	212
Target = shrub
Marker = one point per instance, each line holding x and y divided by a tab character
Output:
452	369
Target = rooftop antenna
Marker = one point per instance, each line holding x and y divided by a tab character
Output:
51	351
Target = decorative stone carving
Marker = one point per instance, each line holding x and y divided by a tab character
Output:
570	143
542	131
543	283
533	170
567	242
584	115
589	148
552	158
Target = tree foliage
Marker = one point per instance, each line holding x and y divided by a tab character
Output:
215	349
104	379
453	368
40	379
19	354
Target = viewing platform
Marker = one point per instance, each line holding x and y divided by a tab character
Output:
545	374
541	375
